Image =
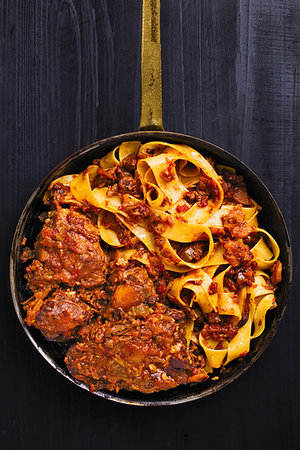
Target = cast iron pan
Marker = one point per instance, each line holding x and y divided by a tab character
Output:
151	129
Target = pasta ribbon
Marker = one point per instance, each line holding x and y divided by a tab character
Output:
167	253
216	258
197	283
263	296
215	357
265	303
108	235
264	256
240	344
167	175
65	180
82	191
216	219
119	153
81	185
189	331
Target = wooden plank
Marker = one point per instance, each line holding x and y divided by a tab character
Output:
70	76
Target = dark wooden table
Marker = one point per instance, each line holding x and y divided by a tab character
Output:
70	76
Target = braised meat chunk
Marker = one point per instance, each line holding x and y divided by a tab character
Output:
146	355
237	253
59	316
276	271
243	265
217	331
130	286
235	188
135	287
67	251
235	223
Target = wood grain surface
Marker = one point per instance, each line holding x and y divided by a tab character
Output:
70	75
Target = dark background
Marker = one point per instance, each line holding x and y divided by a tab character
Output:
70	76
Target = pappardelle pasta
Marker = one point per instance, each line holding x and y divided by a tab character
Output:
152	265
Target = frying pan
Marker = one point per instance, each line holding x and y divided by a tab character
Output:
151	128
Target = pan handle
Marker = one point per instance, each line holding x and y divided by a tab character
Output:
151	102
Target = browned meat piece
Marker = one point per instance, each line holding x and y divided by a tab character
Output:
97	298
169	173
127	184
67	251
58	194
239	196
205	190
192	252
238	277
234	223
208	186
132	287
146	152
144	355
119	179
156	273
243	265
214	318
235	188
217	332
245	312
137	212
59	316
182	208
27	254
251	239
39	279
237	253
213	288
276	271
109	174
130	162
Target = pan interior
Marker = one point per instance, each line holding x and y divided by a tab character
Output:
270	218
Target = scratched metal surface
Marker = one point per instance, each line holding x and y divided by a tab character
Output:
70	76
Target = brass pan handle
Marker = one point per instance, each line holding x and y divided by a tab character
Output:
151	101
